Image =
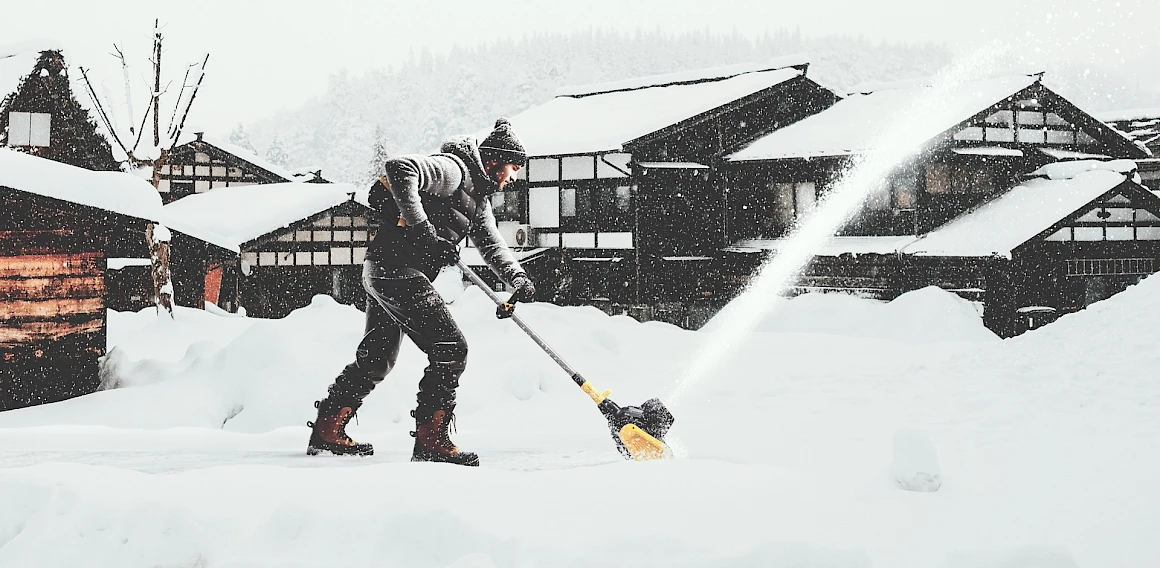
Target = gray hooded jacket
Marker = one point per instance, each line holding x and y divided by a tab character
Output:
451	190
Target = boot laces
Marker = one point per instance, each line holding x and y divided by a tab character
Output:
345	421
447	429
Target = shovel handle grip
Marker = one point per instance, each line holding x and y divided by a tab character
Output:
508	307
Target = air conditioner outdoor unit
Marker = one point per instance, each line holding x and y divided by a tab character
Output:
516	234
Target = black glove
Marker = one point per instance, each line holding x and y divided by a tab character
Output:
437	250
525	291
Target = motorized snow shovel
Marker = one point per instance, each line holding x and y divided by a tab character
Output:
639	431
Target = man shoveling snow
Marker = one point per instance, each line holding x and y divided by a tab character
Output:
427	204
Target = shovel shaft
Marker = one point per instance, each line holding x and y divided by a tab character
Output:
638	431
576	377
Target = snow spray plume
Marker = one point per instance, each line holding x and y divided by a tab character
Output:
866	172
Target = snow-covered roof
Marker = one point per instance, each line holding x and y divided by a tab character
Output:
835	246
1015	217
1069	170
672	165
906	116
867	87
604	122
989	151
683	77
122	263
16	62
118	192
241	214
994	228
1128	115
286	174
1060	154
1140	125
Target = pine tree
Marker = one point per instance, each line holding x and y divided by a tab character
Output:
346	132
276	153
465	106
379	156
239	138
73	137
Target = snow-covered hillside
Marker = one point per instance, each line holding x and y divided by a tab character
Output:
792	452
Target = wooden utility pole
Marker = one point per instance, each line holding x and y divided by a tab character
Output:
159	243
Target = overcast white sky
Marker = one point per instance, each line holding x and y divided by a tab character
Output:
265	54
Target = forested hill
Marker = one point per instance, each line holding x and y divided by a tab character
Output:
410	108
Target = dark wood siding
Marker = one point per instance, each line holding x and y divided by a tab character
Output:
52	325
52	298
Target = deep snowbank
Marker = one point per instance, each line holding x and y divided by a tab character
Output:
786	447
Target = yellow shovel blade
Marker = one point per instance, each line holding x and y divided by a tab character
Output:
642	446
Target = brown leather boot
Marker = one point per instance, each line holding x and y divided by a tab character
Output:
329	434
433	441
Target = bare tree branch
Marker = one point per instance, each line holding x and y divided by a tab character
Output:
128	91
101	111
156	86
141	130
177	105
193	95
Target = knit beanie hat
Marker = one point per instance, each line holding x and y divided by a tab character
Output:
502	145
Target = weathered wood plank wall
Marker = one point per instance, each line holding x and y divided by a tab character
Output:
52	309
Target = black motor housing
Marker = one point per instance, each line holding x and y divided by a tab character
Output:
651	416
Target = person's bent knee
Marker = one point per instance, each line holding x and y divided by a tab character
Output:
373	368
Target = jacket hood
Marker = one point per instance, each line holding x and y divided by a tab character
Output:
466	149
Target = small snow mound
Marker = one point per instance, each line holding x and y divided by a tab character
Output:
322	301
916	466
927	315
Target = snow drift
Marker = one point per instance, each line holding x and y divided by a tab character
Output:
921	316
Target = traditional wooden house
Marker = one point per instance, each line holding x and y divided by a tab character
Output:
1074	234
951	167
1143	126
58	225
200	163
293	240
39	114
622	185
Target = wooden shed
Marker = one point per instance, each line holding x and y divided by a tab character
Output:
58	225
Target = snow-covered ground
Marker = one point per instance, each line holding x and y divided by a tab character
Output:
792	452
